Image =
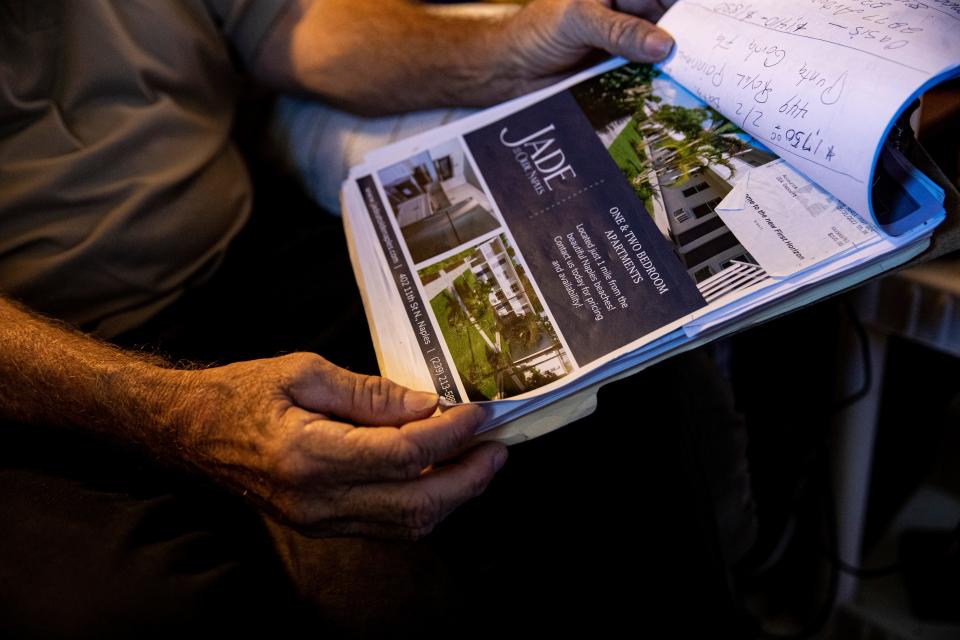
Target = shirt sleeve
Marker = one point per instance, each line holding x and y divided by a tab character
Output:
245	23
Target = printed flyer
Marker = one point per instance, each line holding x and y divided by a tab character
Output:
563	237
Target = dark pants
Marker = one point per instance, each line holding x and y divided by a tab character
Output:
649	495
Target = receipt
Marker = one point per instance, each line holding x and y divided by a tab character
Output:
788	223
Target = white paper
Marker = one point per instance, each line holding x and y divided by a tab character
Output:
788	223
819	81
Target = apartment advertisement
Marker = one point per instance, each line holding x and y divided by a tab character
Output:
543	241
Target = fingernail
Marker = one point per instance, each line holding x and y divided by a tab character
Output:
658	44
417	401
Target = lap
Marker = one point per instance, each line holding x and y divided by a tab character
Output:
570	517
99	542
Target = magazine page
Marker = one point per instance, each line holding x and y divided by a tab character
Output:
819	81
530	245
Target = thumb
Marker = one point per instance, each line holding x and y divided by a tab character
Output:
360	399
620	34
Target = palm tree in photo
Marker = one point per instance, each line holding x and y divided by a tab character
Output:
615	94
523	330
694	138
458	320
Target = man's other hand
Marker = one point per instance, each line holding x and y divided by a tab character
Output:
549	37
391	56
331	452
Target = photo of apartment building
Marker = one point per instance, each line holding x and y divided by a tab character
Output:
702	240
681	158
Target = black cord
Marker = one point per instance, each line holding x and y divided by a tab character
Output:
830	551
789	527
820	454
863	573
817	623
866	359
817	465
882	571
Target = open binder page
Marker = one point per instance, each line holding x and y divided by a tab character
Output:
818	81
533	250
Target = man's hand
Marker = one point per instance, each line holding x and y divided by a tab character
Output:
381	56
548	38
282	431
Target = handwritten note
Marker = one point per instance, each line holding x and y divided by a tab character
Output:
818	81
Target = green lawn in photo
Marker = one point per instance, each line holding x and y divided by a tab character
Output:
485	316
469	351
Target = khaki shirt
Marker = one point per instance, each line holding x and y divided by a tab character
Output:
119	185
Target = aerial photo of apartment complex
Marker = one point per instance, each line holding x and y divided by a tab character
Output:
493	323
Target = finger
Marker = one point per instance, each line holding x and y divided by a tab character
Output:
353	529
347	529
445	436
377	454
418	505
361	399
383	453
620	34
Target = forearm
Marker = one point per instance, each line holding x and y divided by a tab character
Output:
383	56
378	56
51	374
269	429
